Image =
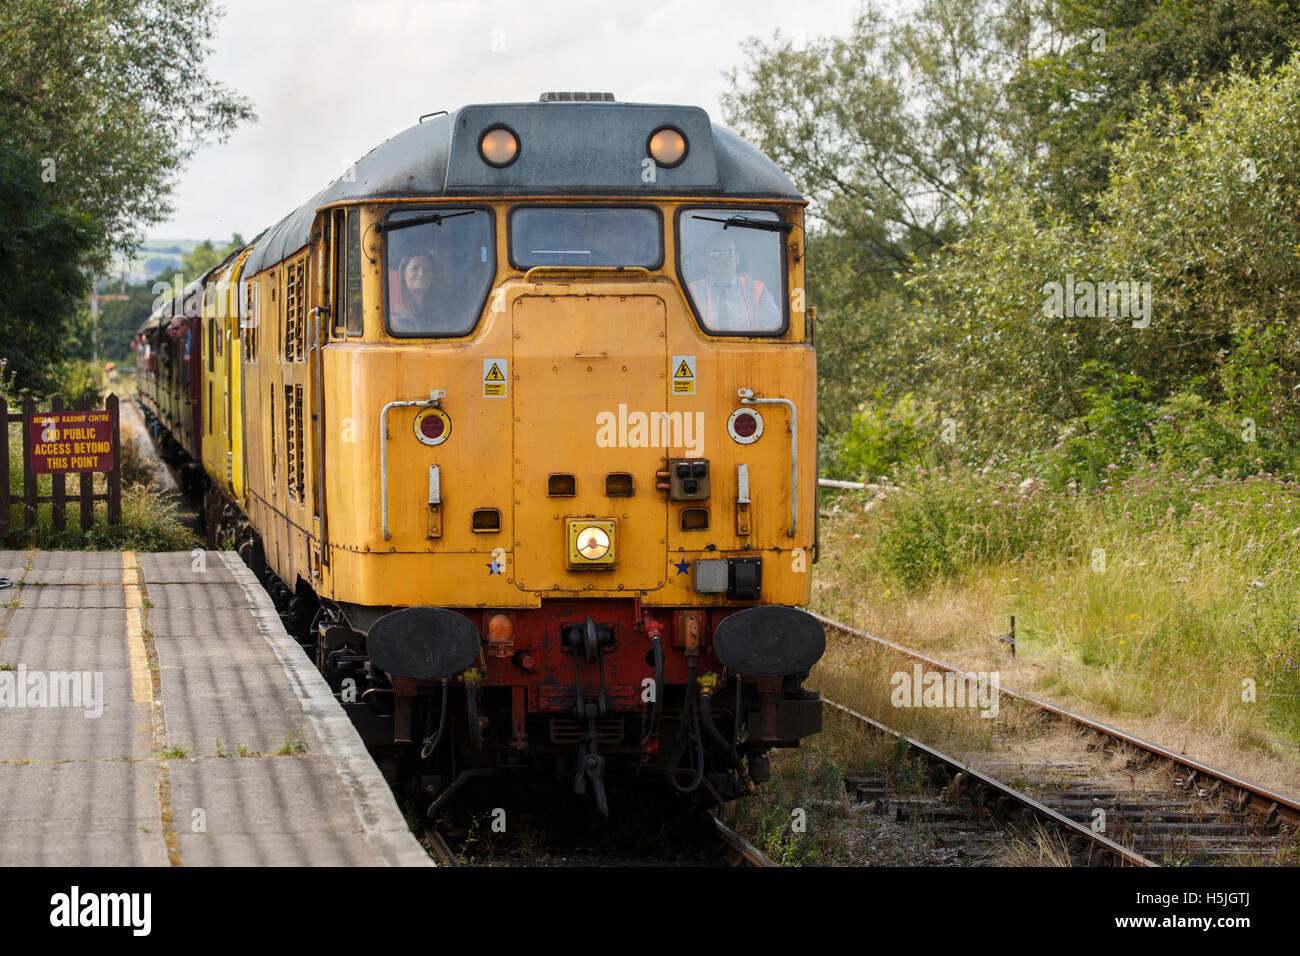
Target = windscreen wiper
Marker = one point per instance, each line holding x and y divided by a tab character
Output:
433	217
744	222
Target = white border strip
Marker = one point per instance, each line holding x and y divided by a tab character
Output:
382	823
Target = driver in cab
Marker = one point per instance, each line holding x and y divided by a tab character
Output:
728	300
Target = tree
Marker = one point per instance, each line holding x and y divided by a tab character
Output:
42	283
113	97
1098	58
1201	213
101	102
891	132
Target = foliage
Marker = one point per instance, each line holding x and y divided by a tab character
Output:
114	93
1201	210
101	102
879	438
80	378
889	131
42	246
1160	575
1095	63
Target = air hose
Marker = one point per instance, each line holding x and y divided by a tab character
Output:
688	732
431	743
706	714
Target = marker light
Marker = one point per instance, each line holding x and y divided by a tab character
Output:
499	146
745	426
667	146
432	426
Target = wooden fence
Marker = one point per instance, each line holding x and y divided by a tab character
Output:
59	470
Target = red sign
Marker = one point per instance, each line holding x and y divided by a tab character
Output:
65	442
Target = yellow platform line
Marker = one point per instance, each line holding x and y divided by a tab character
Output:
157	844
141	684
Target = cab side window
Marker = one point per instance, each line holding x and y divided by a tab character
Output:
733	275
439	266
352	294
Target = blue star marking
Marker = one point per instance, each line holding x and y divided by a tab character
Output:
681	565
493	568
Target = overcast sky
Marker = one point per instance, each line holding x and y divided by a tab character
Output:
331	79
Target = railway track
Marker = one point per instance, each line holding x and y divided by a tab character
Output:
737	851
1205	817
976	811
707	842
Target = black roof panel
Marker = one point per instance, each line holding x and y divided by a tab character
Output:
591	148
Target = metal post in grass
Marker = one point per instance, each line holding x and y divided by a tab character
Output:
115	476
87	481
4	470
29	476
58	496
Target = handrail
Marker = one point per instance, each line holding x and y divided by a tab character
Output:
747	398
610	272
435	396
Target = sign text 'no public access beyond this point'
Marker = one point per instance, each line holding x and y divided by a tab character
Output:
72	441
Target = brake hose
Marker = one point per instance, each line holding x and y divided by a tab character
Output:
431	743
706	713
687	731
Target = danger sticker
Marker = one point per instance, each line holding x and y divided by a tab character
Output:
683	374
494	377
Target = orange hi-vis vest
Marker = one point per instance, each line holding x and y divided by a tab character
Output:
751	291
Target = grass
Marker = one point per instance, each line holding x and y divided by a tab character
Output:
293	744
1037	847
801	816
1167	596
178	752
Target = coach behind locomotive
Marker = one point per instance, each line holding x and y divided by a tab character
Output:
567	509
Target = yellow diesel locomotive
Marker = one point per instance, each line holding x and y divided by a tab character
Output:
517	421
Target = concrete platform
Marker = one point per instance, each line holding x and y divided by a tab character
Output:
153	711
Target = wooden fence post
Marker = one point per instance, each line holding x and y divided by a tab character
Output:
58	497
87	482
115	476
29	476
4	469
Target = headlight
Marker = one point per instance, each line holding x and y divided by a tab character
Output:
499	146
667	146
593	543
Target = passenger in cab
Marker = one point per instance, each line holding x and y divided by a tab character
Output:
729	301
417	310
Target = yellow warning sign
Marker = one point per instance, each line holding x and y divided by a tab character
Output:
683	374
495	384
